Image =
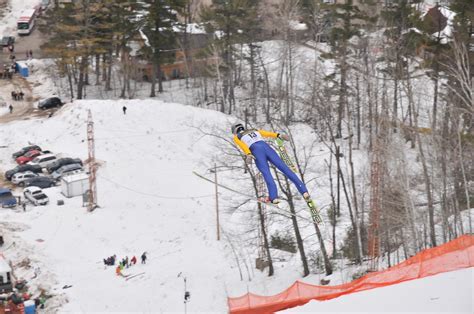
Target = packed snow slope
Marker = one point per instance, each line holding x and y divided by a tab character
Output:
450	292
149	201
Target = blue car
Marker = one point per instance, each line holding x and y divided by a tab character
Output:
6	198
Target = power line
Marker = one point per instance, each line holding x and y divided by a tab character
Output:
155	195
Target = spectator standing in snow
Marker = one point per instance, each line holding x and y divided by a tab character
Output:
133	261
10	108
144	258
124	110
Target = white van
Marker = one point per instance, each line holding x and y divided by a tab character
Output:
43	160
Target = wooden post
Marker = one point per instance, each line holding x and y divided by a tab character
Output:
217	204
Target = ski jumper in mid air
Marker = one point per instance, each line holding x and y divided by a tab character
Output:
253	145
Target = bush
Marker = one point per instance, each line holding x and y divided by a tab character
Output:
349	248
283	242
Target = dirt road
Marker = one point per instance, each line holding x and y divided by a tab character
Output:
22	109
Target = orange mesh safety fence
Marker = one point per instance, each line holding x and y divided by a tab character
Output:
450	256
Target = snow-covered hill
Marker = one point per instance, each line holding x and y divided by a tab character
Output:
149	201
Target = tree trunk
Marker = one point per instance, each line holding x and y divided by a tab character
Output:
153	79
333	211
81	81
160	79
429	194
109	72
299	239
97	69
69	79
327	263
265	240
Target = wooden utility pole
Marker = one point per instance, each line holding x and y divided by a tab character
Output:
217	204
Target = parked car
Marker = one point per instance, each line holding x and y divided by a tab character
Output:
50	103
41	182
29	156
22	168
62	162
7	41
20	177
35	195
64	170
24	150
43	160
6	198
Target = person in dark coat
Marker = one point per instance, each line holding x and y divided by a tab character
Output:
10	108
144	258
124	110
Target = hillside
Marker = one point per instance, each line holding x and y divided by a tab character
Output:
149	201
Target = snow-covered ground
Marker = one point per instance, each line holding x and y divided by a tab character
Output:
450	292
149	201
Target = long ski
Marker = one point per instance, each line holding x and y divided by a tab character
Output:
133	276
287	160
253	198
284	154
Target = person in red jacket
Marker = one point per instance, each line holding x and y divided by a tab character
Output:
133	260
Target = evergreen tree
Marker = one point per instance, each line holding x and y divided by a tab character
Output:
228	19
158	27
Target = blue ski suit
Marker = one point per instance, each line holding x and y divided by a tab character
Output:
252	142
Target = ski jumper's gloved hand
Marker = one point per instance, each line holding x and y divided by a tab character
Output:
284	137
249	158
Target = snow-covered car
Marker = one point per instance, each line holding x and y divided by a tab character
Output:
49	103
29	156
7	41
64	170
6	198
19	178
24	150
22	168
35	195
62	162
43	160
40	181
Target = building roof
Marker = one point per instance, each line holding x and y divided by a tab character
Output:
75	177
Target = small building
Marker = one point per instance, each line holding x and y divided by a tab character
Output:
5	276
74	185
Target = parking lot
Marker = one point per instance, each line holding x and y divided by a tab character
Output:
39	169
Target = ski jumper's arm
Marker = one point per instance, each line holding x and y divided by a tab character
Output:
268	134
242	145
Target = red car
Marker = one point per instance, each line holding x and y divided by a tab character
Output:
29	156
